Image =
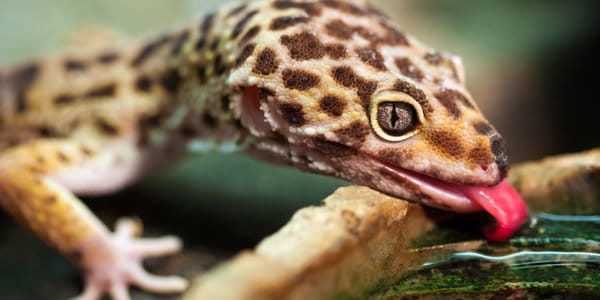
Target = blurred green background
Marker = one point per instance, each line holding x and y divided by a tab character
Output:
531	65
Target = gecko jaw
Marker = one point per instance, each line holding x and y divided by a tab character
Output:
501	200
444	195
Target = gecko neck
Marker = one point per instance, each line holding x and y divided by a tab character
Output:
193	65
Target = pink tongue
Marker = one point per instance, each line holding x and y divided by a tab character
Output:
504	204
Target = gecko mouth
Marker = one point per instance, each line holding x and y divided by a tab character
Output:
501	200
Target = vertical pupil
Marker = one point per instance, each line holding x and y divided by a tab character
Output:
396	118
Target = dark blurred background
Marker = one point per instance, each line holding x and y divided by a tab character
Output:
531	65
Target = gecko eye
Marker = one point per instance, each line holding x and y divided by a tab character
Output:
395	120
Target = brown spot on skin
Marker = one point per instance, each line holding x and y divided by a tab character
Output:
214	45
244	54
64	99
395	157
332	105
336	51
265	93
353	135
292	113
35	169
332	148
148	50
448	98
180	40
415	93
207	23
366	90
86	151
51	200
339	29
238	125
460	97
62	157
201	72
209	120
408	69
312	9
170	81
371	57
393	36
72	65
200	43
108	90
241	24
106	127
22	79
434	58
47	131
236	10
145	124
370	36
107	58
480	155
143	84
250	34
220	67
446	142
346	77
287	21
40	160
225	103
303	46
152	120
306	46
266	62
449	104
299	79
483	128
345	7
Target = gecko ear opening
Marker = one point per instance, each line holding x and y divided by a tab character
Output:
251	106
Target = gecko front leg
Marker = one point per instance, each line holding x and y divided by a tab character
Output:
37	181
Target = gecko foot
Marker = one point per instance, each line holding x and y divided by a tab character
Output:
115	263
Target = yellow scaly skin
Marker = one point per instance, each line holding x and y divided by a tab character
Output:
329	87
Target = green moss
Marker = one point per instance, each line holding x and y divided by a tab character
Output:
554	257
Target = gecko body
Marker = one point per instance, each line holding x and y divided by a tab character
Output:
330	87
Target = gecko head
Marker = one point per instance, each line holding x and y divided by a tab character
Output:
334	88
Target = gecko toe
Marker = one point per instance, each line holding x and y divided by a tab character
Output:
158	284
116	262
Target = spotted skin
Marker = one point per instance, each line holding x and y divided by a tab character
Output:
294	82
